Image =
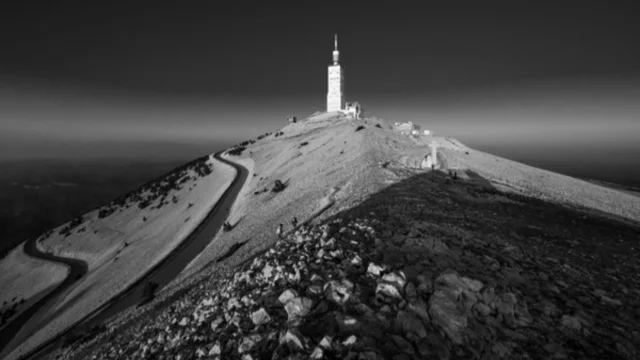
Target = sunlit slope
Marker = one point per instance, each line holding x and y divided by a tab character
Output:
548	185
24	277
325	158
123	239
510	175
328	163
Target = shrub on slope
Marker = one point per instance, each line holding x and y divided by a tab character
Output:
158	187
236	151
120	248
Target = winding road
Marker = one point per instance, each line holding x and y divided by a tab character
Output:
77	269
162	273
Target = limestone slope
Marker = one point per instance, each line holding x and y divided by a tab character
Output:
120	241
23	277
403	264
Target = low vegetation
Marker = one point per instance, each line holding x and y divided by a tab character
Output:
245	143
66	231
160	187
236	151
258	192
260	137
38	196
278	186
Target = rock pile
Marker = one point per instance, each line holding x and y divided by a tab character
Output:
364	289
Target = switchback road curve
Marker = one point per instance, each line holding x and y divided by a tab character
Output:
162	273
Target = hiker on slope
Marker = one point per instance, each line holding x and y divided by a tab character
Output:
279	231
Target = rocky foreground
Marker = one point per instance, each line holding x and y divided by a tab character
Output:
408	277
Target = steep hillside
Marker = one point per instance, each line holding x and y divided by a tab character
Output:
121	240
37	195
483	258
401	263
24	280
323	159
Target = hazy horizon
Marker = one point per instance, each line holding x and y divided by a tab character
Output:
571	129
543	84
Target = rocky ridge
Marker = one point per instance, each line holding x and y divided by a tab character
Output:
363	288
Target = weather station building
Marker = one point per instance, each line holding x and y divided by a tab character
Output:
335	94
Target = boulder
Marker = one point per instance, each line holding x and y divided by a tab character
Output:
387	292
248	342
425	285
444	308
411	294
286	296
419	308
297	308
396	279
338	292
215	349
375	270
406	323
293	340
260	317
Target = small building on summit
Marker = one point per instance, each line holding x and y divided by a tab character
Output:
354	110
407	128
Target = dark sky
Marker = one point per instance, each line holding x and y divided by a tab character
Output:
512	74
280	48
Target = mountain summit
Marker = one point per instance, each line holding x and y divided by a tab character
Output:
478	257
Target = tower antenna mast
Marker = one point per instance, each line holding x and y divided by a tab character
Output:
336	53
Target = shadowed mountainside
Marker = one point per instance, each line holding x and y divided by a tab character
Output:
471	272
406	264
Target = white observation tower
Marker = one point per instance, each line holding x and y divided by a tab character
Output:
335	95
